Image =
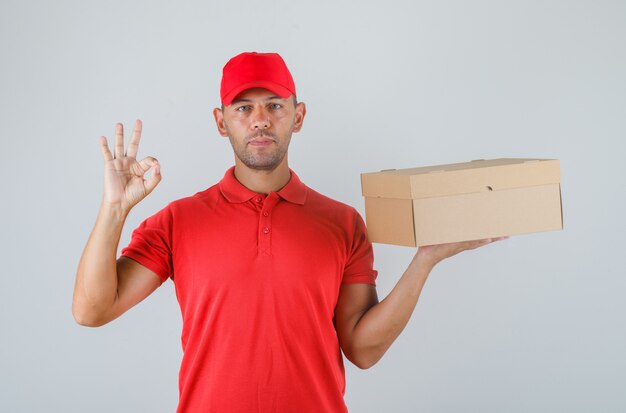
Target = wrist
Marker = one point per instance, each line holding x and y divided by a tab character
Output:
114	212
424	259
422	263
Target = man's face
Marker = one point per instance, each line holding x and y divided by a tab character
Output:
259	125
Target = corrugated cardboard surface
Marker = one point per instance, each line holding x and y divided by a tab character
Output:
390	221
459	202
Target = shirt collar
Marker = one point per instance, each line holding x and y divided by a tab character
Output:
234	191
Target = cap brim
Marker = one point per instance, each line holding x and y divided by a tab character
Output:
281	91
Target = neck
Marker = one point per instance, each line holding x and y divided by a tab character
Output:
260	181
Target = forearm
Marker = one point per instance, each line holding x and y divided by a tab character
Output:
382	324
95	290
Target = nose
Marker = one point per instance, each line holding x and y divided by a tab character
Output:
260	119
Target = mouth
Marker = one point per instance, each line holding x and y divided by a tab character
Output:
261	140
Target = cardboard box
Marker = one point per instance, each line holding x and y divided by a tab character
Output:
464	201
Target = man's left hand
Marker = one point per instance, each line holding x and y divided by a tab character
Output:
431	255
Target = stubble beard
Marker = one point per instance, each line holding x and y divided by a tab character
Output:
264	159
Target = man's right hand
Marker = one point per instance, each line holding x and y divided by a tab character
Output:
124	183
105	286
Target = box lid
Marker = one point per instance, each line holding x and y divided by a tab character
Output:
460	178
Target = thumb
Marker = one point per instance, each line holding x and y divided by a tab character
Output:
154	179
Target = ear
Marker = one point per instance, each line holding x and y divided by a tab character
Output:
218	114
299	117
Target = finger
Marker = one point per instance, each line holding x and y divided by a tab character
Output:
154	179
119	140
104	147
470	245
147	163
482	242
133	145
490	240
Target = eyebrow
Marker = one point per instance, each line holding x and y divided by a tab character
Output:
248	100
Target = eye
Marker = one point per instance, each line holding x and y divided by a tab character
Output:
275	105
243	108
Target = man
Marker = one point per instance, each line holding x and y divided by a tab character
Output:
274	279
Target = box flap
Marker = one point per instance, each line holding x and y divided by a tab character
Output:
460	178
386	185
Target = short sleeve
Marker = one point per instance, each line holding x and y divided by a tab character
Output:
360	264
151	244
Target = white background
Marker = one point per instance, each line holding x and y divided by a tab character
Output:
531	324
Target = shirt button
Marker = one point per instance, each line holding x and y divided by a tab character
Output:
258	199
266	230
266	214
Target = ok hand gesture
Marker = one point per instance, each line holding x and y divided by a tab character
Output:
124	183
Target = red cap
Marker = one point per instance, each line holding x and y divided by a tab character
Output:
252	69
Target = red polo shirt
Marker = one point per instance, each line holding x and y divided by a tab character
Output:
257	278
